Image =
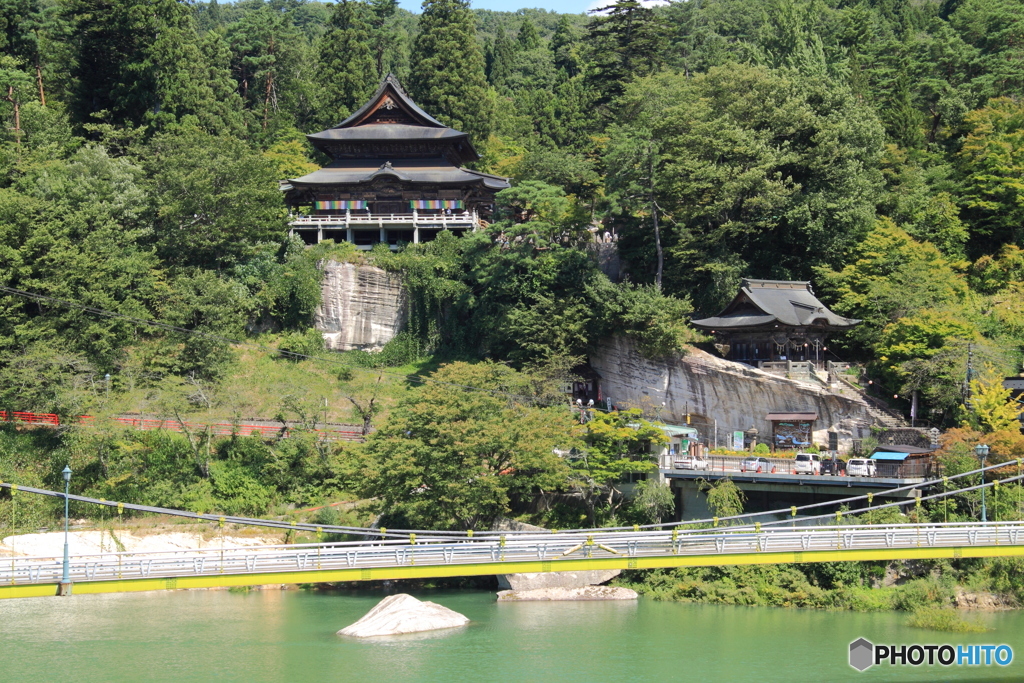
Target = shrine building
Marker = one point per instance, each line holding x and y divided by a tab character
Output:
396	175
774	320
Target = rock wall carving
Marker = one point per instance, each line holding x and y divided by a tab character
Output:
362	307
711	389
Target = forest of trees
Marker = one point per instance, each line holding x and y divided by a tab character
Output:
875	147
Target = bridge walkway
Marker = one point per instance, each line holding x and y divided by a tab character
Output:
440	557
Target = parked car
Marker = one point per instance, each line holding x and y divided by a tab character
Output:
691	462
755	464
835	467
861	467
807	463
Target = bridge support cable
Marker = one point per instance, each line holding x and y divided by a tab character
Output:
403	535
351	561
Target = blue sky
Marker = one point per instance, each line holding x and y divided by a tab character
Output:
562	6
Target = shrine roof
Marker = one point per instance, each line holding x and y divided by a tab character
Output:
425	171
390	88
387	131
761	303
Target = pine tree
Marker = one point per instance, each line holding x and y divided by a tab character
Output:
384	38
564	46
528	38
628	42
135	60
503	59
448	69
347	62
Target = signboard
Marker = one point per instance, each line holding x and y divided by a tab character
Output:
737	441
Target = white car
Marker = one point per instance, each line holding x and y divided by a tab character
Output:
860	467
807	463
692	462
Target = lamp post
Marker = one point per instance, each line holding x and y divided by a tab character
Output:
981	450
65	581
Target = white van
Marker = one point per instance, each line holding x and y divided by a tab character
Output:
807	463
860	467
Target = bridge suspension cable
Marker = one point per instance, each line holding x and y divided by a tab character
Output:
430	534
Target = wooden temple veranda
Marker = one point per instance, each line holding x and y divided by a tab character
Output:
396	175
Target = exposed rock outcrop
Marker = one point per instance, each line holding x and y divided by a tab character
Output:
362	307
559	594
402	613
544	580
983	601
737	396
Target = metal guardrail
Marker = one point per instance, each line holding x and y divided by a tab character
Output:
729	464
718	543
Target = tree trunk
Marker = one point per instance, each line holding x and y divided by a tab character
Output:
654	215
39	81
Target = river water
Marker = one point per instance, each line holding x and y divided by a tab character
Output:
290	636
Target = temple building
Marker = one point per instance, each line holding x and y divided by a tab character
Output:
774	320
396	175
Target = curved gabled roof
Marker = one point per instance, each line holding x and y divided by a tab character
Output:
390	86
765	302
390	116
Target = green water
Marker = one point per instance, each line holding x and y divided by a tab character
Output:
290	636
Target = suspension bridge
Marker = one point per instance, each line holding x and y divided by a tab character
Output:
421	554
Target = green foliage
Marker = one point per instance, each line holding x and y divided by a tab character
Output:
652	501
743	180
448	69
944	619
725	498
449	458
346	62
214	198
992	408
992	162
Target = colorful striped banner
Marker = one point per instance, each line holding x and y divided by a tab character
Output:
435	204
340	205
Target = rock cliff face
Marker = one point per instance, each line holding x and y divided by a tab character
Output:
712	389
362	307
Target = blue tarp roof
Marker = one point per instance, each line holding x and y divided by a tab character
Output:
886	455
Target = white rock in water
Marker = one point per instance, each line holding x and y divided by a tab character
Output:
581	593
402	613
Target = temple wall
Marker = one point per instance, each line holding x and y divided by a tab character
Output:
362	307
712	389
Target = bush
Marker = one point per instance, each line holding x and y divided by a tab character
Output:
308	343
762	448
944	619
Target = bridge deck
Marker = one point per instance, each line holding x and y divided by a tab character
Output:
437	558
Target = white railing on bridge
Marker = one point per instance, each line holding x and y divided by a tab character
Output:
548	548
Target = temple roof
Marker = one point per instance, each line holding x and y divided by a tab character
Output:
432	171
764	303
390	87
390	116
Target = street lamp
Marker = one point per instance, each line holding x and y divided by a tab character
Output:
65	581
981	450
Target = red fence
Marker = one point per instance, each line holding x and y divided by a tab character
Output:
30	418
221	429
